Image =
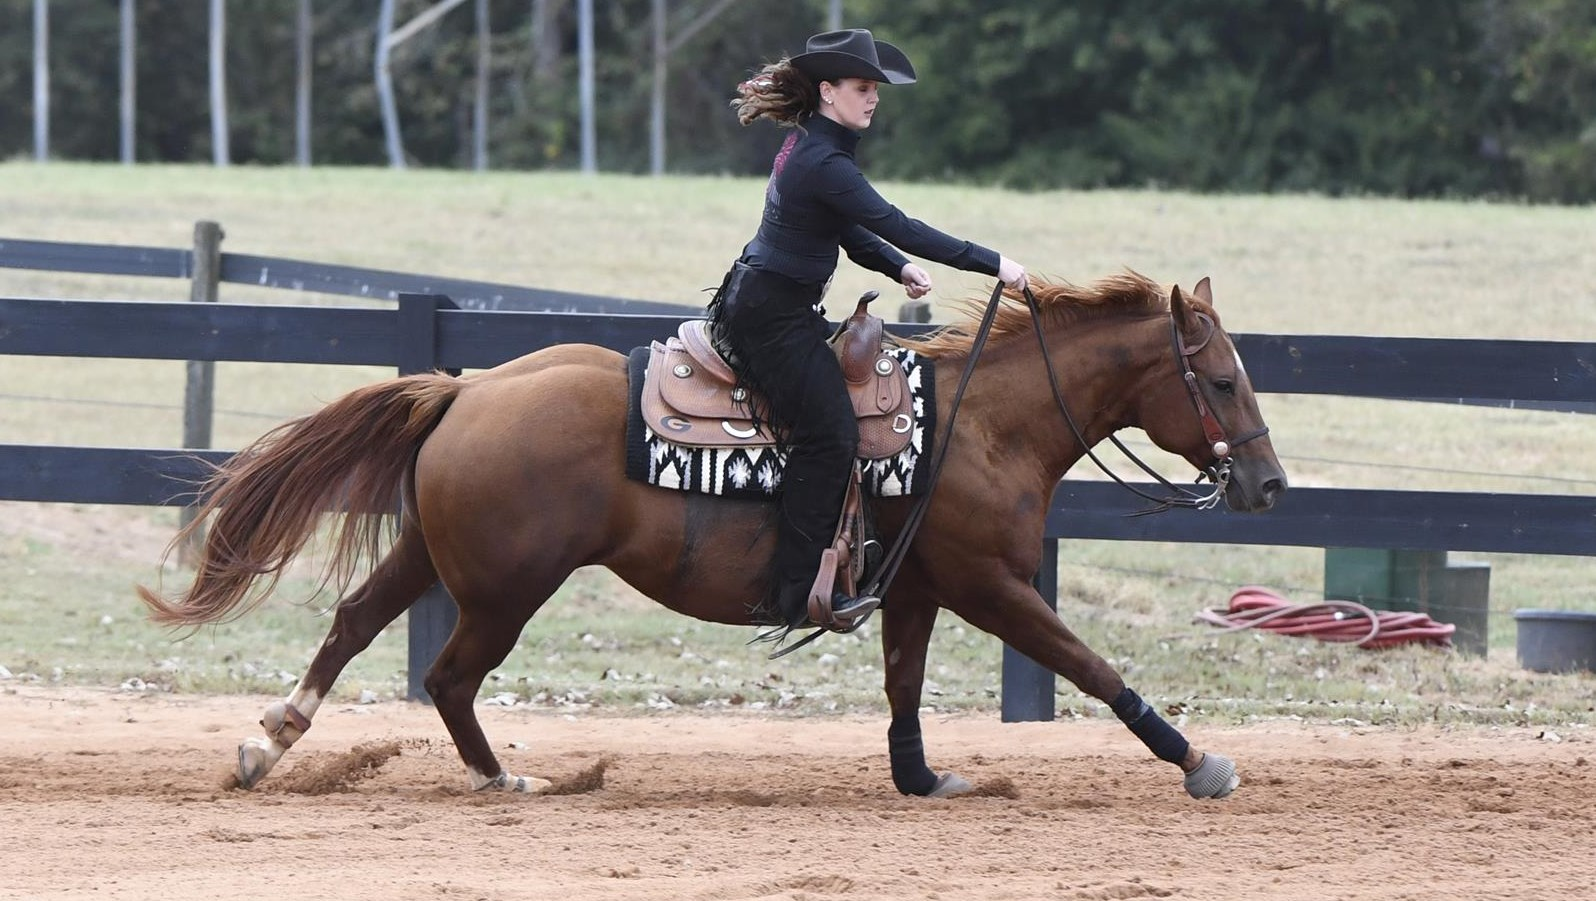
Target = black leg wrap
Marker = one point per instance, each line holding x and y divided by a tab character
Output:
909	772
1145	723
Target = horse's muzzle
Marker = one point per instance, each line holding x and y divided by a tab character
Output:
1249	494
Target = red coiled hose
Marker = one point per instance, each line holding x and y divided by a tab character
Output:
1253	607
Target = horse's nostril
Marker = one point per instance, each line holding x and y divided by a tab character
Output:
1274	487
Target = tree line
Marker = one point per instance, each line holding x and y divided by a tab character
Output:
1410	98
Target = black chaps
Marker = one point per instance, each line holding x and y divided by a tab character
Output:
777	340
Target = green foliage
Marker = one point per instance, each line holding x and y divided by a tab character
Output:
1421	98
1548	57
1222	94
16	79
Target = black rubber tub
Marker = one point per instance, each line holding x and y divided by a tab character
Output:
1556	641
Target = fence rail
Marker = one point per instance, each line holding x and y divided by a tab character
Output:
1305	517
1394	368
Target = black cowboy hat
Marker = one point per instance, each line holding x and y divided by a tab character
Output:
853	53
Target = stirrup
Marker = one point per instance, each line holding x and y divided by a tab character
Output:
839	611
849	617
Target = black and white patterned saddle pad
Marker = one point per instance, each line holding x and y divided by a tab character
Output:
755	472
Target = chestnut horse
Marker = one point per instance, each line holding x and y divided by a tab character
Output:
513	477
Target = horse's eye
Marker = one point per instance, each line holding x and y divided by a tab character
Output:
1225	387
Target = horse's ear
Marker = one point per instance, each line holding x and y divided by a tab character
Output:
1204	292
1186	318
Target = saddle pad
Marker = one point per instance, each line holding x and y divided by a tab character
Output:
755	472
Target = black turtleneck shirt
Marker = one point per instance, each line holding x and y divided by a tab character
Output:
818	200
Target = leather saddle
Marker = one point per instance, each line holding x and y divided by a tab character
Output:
691	395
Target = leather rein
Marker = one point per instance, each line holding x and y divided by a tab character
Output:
1218	471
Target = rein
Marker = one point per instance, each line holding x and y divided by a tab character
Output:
1221	447
900	548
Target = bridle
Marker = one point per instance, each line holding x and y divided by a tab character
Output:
1218	472
1212	430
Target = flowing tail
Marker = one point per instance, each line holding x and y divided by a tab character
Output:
263	504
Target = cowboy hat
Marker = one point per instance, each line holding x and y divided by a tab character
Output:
853	53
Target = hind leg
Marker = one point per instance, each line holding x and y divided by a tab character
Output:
393	587
483	637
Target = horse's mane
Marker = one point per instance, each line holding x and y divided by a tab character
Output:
1125	294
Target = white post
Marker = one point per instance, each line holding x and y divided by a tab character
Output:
545	40
656	118
387	39
220	152
663	48
390	110
585	75
129	81
41	80
479	144
834	16
302	59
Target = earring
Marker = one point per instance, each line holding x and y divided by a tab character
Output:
828	99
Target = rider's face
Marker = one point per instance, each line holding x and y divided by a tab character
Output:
851	102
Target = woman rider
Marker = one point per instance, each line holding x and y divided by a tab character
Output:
766	311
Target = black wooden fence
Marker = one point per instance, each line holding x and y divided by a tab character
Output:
420	335
426	331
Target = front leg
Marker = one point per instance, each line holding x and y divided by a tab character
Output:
905	636
1011	609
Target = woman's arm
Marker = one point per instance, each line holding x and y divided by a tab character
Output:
843	188
871	252
868	250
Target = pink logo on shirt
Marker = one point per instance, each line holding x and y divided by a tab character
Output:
772	196
782	154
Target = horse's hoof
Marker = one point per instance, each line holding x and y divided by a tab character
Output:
523	785
1215	777
254	762
529	785
950	785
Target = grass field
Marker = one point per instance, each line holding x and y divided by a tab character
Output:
1279	264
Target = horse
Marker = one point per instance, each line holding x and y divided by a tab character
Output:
510	478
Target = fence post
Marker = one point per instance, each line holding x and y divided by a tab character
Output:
432	618
1415	580
1027	685
914	311
199	388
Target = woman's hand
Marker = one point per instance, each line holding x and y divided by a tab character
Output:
916	281
1011	273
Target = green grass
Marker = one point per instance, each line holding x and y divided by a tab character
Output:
64	618
1294	264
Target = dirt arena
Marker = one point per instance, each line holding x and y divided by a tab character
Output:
106	794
